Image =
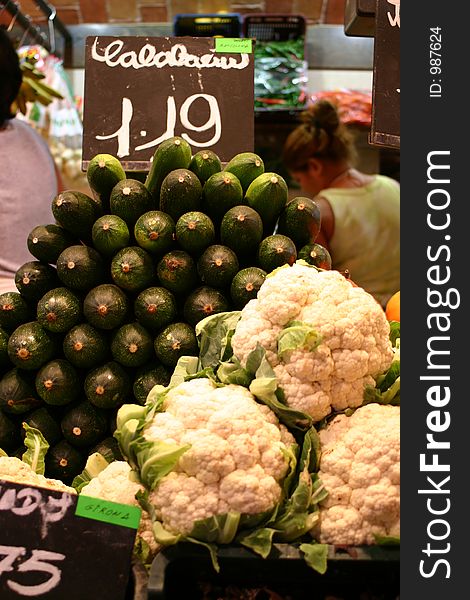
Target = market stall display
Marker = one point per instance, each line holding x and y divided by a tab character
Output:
222	459
178	344
116	286
240	413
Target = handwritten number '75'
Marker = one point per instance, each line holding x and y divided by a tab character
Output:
214	121
38	562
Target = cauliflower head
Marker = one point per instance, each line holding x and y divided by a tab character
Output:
360	469
114	484
237	456
346	345
14	469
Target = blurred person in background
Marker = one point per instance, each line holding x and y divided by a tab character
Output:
29	179
360	213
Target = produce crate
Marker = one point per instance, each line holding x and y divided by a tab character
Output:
207	25
274	27
280	66
185	571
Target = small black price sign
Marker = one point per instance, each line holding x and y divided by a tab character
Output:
140	91
55	545
385	129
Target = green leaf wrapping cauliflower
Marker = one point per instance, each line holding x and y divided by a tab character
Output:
325	339
30	470
360	469
206	451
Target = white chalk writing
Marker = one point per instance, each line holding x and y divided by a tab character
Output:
123	133
178	56
39	562
26	500
394	19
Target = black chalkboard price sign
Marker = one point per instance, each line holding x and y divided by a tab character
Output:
59	546
385	127
140	91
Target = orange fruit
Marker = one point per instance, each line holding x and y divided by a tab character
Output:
392	308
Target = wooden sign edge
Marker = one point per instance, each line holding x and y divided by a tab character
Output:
377	138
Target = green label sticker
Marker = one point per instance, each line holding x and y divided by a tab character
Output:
108	512
238	45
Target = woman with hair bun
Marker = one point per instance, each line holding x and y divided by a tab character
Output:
360	213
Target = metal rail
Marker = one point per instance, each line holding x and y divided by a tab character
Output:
25	23
34	32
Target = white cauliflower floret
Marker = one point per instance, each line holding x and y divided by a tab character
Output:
236	460
251	491
360	469
348	394
245	449
165	427
14	469
344	526
114	484
311	398
188	406
273	461
354	346
180	500
55	484
209	457
286	436
254	321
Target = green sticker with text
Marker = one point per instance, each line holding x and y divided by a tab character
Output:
238	45
108	512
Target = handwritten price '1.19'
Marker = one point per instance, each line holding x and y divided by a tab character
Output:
123	133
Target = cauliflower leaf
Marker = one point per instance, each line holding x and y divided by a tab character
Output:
260	541
387	385
186	365
394	331
37	446
259	377
386	540
214	334
298	336
233	372
221	529
315	555
156	459
152	459
265	388
297	515
95	464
